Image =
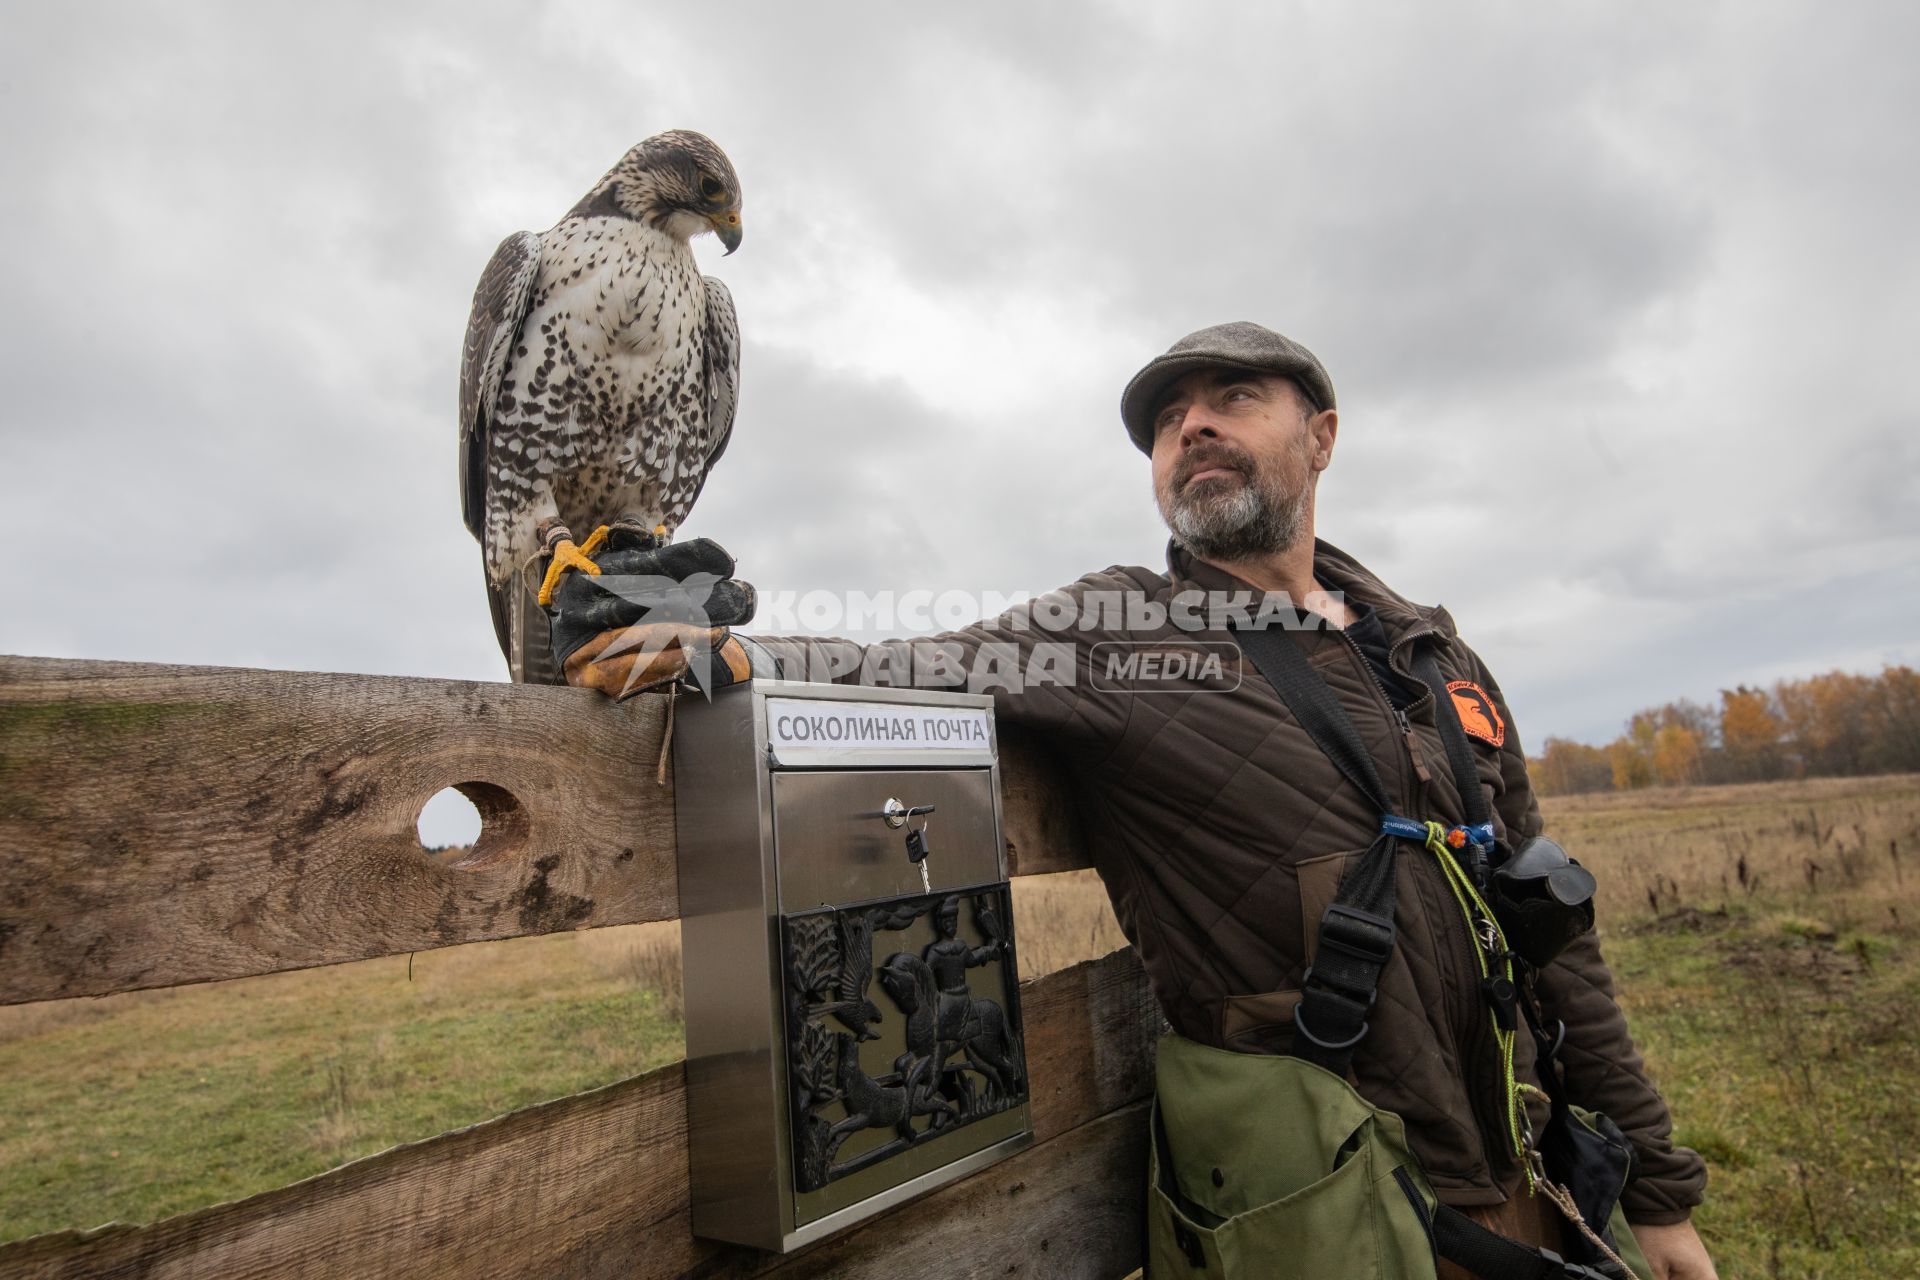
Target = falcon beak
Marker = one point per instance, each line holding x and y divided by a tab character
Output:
727	227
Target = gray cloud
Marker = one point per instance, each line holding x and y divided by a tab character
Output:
1615	302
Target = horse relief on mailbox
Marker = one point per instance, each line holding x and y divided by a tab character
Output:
868	1081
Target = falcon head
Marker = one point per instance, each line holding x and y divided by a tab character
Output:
678	181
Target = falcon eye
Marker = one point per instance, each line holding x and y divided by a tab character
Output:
711	189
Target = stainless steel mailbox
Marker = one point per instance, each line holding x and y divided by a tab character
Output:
853	1031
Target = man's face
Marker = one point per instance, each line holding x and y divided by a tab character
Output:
1234	461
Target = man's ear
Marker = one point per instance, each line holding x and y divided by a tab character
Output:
1324	427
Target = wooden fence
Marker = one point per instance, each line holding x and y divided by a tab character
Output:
168	825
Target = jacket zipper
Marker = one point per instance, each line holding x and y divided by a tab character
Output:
1473	1035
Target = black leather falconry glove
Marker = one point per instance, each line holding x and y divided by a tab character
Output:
653	616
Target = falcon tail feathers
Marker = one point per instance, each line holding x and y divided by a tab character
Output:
497	606
532	659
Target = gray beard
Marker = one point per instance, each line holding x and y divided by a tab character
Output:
1246	524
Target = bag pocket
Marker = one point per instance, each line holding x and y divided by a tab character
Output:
1271	1167
1259	1023
1319	880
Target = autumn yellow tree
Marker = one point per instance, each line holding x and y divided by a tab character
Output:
1632	765
1749	733
1567	768
1830	722
1839	723
1676	756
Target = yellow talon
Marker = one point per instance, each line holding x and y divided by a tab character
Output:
660	532
595	540
567	556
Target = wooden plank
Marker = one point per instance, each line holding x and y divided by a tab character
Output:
1070	1209
163	825
166	825
596	1185
1038	818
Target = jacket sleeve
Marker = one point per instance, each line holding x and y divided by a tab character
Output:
1035	660
1603	1069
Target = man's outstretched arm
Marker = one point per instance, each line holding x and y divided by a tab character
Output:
655	618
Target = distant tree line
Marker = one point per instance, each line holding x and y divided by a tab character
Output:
1833	725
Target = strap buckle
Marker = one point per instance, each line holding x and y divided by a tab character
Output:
1353	935
1344	980
1300	1028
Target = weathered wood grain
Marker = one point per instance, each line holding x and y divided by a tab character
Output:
1038	818
596	1186
165	825
1070	1209
161	825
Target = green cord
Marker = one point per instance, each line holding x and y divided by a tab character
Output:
1479	915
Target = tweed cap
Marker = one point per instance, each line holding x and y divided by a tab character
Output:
1239	345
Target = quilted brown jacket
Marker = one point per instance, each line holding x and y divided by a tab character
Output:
1221	830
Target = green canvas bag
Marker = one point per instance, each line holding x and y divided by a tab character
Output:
1268	1166
1272	1167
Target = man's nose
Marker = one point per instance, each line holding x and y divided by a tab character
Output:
1197	424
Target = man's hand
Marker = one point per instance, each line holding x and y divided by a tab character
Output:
653	616
1675	1252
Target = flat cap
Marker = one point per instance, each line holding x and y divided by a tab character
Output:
1239	345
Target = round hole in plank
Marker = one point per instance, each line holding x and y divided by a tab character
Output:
471	826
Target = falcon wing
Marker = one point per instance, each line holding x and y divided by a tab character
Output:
856	957
723	372
499	305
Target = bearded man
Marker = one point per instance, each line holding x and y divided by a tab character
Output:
1227	823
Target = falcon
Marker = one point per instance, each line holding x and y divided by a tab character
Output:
598	381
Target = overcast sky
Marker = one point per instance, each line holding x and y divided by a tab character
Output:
1619	300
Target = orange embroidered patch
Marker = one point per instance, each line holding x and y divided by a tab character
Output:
1478	716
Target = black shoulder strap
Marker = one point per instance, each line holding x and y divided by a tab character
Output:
1466	778
1314	705
1357	932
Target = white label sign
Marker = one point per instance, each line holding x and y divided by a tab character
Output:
803	725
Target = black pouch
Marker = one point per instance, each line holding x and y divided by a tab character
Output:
1543	900
1588	1155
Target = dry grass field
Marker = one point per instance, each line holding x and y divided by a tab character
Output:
1762	935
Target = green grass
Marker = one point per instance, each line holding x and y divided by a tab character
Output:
134	1107
1788	1053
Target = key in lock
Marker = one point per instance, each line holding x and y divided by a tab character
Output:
917	852
898	814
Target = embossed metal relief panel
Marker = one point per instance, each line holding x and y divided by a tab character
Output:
903	1026
853	1026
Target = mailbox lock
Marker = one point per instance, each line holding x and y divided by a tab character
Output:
896	814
